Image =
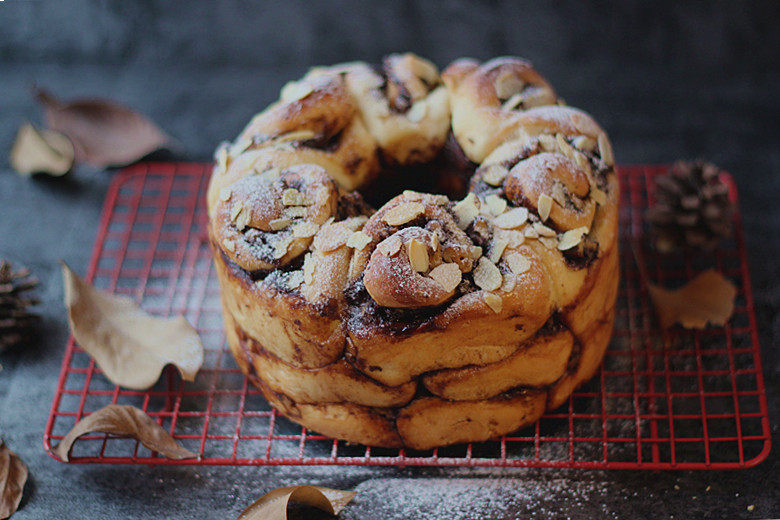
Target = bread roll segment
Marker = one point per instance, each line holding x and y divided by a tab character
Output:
429	321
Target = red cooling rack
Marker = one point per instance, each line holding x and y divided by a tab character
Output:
692	400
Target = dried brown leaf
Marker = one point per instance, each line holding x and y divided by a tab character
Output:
129	345
103	133
273	505
13	475
124	420
41	151
708	298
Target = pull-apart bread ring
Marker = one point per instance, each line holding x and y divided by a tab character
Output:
431	320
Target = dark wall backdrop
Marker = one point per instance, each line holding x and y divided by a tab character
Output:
667	80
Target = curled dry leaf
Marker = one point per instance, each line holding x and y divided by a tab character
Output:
41	151
13	475
124	420
273	505
129	345
708	298
104	133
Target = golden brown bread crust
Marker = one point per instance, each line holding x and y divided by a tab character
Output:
430	321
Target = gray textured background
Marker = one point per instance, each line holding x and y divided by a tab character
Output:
666	79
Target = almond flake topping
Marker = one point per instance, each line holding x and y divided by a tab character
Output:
507	84
295	90
412	195
475	252
279	223
605	149
417	112
549	243
243	218
518	263
229	245
584	143
496	204
418	255
548	143
225	194
308	269
487	276
221	156
305	230
280	248
543	230
466	211
544	205
293	197
599	196
497	249
448	276
295	280
571	238
513	102
235	209
403	213
512	219
510	281
494	174
358	240
295	211
391	246
530	232
493	301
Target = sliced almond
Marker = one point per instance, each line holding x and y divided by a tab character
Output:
548	143
518	263
221	157
475	252
496	204
391	246
530	232
225	194
507	84
448	276
281	247
308	269
599	196
582	163
493	301
487	276
279	223
235	209
510	281
403	213
513	238
295	90
412	195
494	174
514	218
497	249
417	112
584	143
549	243
305	230
418	255
358	240
543	230
297	135
295	211
293	197
605	149
243	218
513	102
571	238
229	245
295	280
466	211
543	206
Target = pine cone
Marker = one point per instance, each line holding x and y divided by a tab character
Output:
15	320
692	208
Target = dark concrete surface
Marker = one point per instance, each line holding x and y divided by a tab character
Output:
667	80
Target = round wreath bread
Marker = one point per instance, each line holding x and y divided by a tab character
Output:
432	320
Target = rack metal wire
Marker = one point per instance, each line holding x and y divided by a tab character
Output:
687	400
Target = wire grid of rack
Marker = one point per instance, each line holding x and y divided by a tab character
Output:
690	400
